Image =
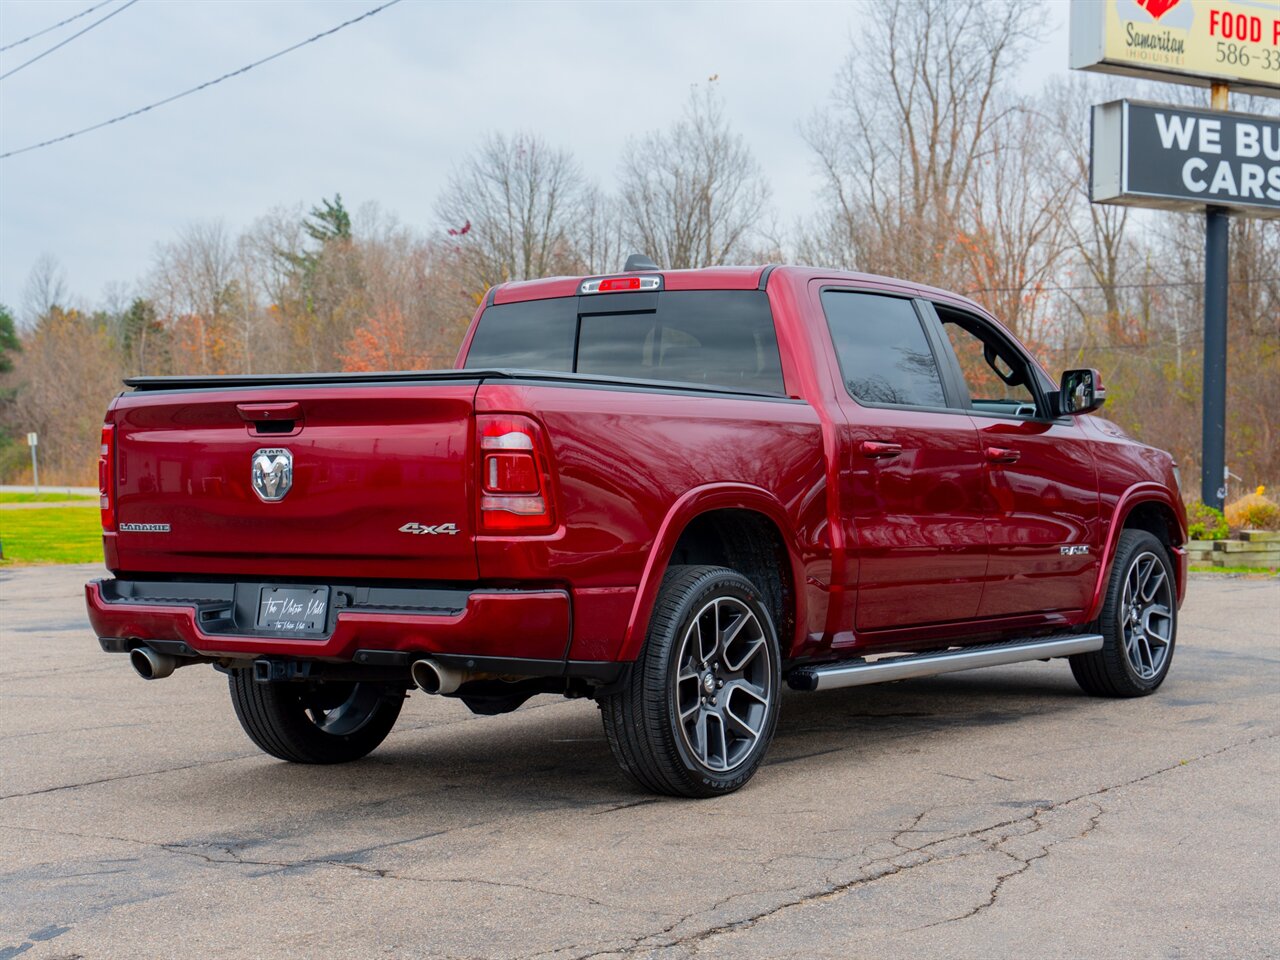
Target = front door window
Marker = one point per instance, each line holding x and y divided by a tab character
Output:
997	377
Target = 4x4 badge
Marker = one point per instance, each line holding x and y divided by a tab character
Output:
448	529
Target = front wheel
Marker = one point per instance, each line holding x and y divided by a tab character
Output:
701	703
1139	623
312	722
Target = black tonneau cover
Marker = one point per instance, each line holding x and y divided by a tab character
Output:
471	375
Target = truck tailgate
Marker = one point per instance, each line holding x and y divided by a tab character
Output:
380	479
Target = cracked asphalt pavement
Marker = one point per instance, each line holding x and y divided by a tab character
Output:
996	813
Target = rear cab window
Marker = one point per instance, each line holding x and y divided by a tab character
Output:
720	338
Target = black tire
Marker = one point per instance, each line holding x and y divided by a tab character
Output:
314	722
721	744
1134	659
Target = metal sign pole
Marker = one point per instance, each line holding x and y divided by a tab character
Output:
1213	416
1213	434
33	440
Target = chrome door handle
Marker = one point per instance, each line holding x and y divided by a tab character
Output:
879	450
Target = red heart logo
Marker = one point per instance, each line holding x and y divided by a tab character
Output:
1157	8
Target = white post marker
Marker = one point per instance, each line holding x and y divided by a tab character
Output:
33	441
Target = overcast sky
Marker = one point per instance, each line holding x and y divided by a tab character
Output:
379	111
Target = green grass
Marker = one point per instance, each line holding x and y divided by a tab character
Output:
42	497
51	535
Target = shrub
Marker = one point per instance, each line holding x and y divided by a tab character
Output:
1253	511
1204	522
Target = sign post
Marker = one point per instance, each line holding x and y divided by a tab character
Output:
33	441
1213	426
1179	159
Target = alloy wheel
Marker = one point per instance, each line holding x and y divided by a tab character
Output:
724	684
1146	615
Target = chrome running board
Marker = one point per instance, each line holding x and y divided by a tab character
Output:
854	673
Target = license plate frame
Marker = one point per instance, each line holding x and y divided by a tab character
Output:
293	610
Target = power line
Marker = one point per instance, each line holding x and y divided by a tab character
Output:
41	56
207	83
1118	286
60	23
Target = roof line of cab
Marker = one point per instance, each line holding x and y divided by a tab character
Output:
713	278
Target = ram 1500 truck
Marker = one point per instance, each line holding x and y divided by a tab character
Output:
669	491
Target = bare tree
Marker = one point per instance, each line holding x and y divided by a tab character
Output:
692	195
602	242
1009	231
68	370
1100	244
273	243
192	284
46	288
915	108
513	209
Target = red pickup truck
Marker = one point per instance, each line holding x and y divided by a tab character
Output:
669	491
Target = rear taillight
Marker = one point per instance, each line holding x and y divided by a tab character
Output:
515	483
106	485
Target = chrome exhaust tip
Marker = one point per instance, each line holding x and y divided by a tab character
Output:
151	665
432	677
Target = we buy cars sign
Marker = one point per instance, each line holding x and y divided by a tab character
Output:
1146	154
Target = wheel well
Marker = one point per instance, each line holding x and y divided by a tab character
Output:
751	544
1157	519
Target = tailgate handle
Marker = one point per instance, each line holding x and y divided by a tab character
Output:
269	411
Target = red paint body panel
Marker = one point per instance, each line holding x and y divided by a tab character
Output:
1047	499
935	544
627	465
365	462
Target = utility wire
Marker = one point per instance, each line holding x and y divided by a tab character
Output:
41	56
60	23
1118	286
207	83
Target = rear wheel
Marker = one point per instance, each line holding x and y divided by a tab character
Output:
314	722
701	704
1139	622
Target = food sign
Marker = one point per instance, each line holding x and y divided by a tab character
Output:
1186	41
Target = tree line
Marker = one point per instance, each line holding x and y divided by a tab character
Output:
934	167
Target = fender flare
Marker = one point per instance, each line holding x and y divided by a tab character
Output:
690	505
1145	492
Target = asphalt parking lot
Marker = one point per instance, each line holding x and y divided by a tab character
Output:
997	813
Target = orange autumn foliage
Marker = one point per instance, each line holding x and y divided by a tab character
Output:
382	342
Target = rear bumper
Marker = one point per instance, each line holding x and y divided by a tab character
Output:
372	626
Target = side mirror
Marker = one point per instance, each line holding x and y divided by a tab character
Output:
1081	391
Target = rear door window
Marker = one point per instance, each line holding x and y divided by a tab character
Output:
711	337
884	354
